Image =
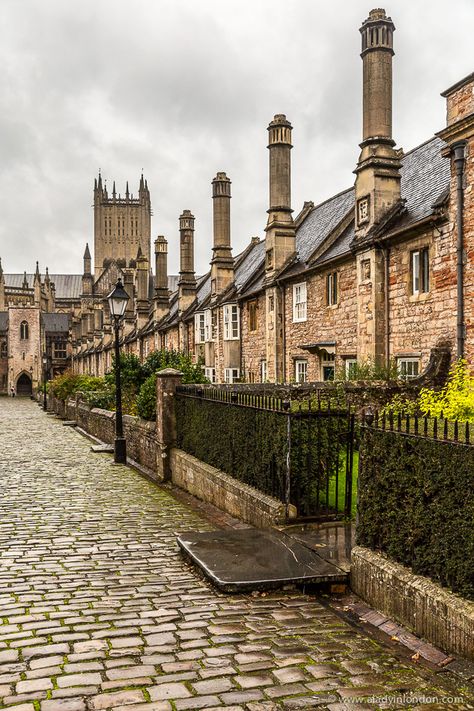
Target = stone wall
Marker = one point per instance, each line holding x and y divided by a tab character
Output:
323	323
253	342
430	611
215	487
418	322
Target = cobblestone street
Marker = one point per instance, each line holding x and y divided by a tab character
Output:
100	611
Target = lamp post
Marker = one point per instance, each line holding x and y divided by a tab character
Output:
118	299
45	371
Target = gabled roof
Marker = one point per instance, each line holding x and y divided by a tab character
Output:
321	221
425	179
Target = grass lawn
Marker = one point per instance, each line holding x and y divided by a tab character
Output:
340	503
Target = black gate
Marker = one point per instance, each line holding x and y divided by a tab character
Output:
301	453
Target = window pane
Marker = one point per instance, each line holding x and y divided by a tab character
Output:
416	272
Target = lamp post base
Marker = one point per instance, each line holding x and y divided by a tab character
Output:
120	450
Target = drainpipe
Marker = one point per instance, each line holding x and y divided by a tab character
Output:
459	160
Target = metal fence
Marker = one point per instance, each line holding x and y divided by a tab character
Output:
301	452
437	428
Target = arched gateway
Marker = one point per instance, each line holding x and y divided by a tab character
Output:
24	385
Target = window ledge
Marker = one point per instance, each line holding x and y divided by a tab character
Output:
421	296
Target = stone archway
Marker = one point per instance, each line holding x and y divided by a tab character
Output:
24	386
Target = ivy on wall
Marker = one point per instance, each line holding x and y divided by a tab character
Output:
415	504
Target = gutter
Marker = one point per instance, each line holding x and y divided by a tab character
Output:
458	153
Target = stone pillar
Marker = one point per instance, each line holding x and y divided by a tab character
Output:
167	381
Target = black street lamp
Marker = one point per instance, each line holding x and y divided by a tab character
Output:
118	299
45	375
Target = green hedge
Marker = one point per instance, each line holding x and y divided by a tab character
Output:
251	444
416	504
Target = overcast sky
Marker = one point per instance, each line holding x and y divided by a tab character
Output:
185	88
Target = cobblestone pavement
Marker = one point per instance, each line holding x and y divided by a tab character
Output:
100	611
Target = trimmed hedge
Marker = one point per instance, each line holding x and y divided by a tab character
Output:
251	444
416	504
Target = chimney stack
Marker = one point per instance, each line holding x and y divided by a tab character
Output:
280	231
222	264
161	277
187	277
378	169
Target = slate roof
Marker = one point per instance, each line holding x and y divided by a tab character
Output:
68	286
3	320
249	264
425	176
339	247
321	222
56	322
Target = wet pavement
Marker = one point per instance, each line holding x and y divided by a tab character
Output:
99	610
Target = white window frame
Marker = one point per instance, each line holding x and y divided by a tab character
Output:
263	371
231	322
411	362
208	335
347	365
332	288
210	374
301	370
199	327
420	271
231	375
299	302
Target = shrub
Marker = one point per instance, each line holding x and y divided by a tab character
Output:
66	384
158	360
146	400
369	371
456	400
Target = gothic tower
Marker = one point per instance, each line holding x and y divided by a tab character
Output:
121	225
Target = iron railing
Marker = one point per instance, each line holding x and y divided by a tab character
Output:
300	452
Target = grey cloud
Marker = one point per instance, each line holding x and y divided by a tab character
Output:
183	89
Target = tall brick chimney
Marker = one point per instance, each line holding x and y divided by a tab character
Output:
187	277
280	232
378	169
222	264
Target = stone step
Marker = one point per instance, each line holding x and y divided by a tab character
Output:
253	559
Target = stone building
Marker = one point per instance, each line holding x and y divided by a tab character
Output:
31	327
380	271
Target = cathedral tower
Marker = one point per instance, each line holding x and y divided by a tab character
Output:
121	225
